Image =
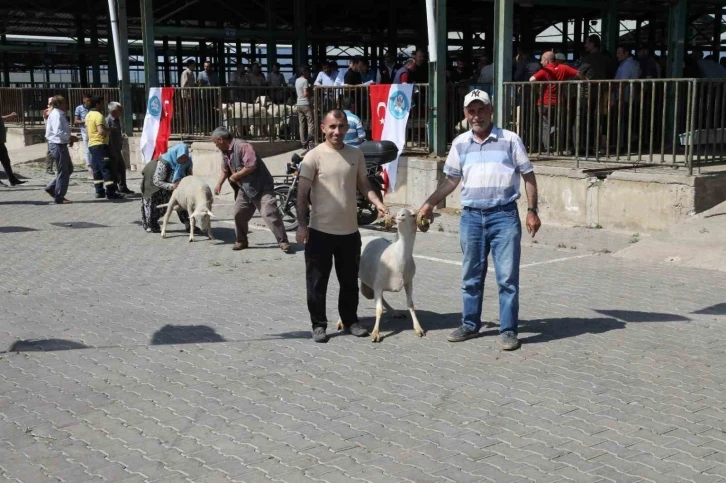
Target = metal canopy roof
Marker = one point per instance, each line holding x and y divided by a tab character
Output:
326	21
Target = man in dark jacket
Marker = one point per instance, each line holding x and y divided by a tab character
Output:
253	186
115	146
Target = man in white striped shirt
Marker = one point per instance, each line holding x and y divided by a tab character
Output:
58	134
488	160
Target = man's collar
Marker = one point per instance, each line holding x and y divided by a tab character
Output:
493	134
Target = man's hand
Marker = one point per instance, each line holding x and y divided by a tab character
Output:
533	223
303	234
426	212
218	189
382	210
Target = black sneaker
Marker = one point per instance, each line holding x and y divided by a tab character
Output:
100	195
114	196
462	333
49	171
127	191
355	329
319	335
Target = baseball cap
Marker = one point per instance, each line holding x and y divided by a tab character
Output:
560	56
477	95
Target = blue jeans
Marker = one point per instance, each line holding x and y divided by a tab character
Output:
497	230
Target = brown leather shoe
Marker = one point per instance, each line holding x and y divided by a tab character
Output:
240	245
63	202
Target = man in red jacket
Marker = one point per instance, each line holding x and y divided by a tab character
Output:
552	99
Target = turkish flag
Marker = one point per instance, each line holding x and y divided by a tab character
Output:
378	94
167	113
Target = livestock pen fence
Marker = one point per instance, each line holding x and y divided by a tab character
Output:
677	122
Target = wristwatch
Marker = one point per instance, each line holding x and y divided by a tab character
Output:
533	210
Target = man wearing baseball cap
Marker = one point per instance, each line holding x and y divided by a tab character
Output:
488	161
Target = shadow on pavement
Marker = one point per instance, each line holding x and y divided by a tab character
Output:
563	328
391	326
185	334
15	229
77	224
45	345
636	316
718	309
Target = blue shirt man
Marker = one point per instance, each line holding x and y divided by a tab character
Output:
356	134
488	161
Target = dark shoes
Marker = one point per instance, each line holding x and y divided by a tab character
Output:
319	335
462	333
126	191
508	340
356	329
240	245
16	182
113	196
100	195
63	202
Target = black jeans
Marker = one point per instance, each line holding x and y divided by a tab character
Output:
320	251
5	161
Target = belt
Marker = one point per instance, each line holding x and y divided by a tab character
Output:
507	207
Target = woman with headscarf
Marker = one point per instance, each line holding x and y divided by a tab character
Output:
159	178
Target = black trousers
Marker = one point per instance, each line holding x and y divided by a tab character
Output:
320	252
5	161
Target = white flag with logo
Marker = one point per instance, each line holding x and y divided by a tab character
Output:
157	123
390	106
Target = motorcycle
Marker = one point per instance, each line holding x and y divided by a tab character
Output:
376	153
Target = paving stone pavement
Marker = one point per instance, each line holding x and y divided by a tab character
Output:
128	358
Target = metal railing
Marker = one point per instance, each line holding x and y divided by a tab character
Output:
643	122
326	98
29	103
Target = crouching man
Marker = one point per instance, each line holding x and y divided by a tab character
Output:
331	174
489	161
253	186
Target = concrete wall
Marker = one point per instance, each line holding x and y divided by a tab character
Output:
629	200
18	138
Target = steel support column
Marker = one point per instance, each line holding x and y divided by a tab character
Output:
392	47
438	96
151	74
82	65
125	83
112	70
179	58
677	18
221	63
577	37
503	27
301	41
165	55
468	43
610	26
271	42
95	60
6	62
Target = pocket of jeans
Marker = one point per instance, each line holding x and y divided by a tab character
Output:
511	213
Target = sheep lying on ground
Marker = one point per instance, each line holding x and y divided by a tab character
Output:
389	267
194	196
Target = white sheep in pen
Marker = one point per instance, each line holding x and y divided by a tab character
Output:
194	196
389	267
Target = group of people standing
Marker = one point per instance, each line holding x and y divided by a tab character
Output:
102	140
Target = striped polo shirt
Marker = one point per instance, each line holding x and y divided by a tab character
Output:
356	134
490	170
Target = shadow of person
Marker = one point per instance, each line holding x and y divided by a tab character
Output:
637	316
563	328
46	345
718	309
185	334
